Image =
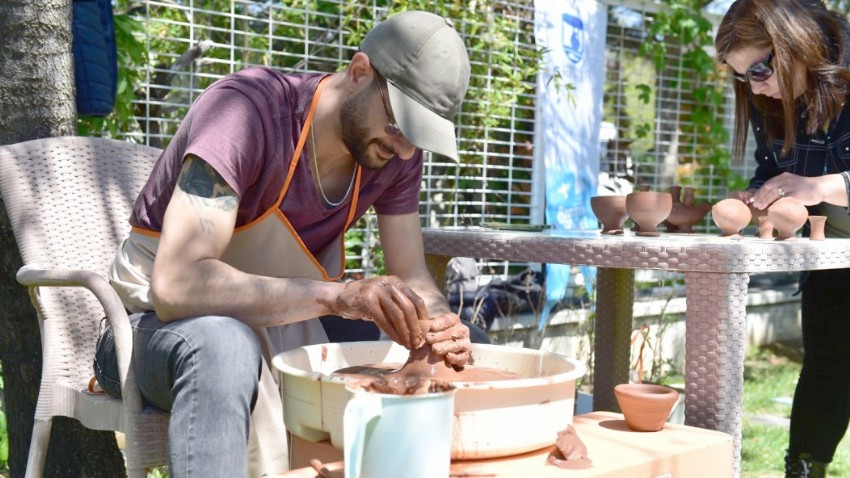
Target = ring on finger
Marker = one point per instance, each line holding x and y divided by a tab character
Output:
781	192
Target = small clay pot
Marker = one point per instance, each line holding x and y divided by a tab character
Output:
684	215
817	224
645	406
648	209
765	227
788	215
611	212
760	219
731	215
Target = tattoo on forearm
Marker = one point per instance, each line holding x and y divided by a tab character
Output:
206	188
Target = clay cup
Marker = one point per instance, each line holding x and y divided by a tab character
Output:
611	212
645	406
648	209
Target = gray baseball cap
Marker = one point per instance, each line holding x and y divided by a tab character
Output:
427	70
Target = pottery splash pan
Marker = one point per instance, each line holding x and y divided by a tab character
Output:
492	419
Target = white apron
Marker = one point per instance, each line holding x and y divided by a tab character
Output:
283	255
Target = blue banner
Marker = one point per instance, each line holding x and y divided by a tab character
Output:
569	114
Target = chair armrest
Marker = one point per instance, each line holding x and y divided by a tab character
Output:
33	277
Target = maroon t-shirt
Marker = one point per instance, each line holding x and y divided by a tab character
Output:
246	126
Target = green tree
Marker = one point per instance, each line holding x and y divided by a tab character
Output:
681	31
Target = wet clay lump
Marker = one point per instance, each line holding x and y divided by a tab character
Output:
569	452
423	372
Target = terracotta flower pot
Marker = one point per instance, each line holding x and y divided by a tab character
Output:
645	406
788	215
731	215
648	209
611	212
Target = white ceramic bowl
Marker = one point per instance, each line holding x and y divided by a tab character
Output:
498	418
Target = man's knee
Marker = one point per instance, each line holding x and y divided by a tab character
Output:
226	341
225	355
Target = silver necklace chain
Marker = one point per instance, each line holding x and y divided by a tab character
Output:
319	176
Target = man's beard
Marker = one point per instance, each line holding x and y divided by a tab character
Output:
354	135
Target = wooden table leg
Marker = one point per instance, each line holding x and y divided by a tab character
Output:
714	353
615	294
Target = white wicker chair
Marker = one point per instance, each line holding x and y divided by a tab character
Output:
68	201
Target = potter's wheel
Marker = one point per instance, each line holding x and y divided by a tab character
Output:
497	418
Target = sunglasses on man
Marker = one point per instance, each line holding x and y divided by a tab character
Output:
760	71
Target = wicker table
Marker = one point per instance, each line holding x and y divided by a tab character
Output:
716	271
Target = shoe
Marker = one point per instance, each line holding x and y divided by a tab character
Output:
804	466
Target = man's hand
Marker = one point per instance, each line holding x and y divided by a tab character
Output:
450	338
388	302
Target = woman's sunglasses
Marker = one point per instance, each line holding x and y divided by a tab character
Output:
759	72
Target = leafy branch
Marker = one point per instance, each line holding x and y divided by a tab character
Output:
683	26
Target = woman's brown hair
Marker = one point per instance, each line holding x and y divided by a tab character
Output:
799	32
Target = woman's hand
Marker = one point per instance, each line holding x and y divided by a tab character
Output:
809	191
746	196
776	188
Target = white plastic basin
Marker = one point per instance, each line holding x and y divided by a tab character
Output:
492	419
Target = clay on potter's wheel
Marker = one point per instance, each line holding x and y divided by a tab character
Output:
731	215
787	215
423	372
569	452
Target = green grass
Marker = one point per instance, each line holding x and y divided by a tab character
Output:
768	374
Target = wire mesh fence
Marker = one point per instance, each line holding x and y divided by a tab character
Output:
192	43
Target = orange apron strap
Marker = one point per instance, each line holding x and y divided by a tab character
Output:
301	140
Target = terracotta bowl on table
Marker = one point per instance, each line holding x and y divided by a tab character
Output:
645	406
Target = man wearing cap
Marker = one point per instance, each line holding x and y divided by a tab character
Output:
237	238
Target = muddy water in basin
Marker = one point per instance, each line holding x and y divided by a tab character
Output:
422	372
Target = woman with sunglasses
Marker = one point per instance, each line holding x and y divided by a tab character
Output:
789	61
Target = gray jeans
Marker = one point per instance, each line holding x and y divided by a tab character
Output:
205	371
